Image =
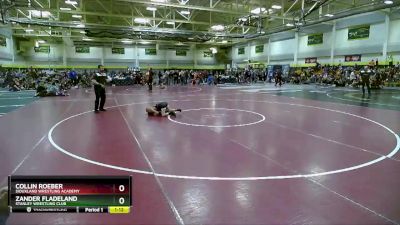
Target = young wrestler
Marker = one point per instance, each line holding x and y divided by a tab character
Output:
161	109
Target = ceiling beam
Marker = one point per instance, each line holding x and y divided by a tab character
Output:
71	25
104	40
202	8
106	9
290	8
213	4
119	15
346	3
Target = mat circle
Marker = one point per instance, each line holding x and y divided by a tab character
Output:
262	118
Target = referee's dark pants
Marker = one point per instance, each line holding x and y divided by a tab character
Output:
100	97
278	80
365	82
150	83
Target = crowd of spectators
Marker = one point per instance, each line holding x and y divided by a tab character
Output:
342	76
166	77
247	75
52	82
339	76
45	82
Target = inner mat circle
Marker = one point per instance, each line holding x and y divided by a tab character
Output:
218	117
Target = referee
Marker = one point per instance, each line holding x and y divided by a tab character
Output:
365	75
150	75
278	78
99	82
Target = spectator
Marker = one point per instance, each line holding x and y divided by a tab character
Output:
73	76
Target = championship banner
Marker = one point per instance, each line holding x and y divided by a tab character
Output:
3	41
42	49
311	60
315	39
352	58
150	51
241	51
82	49
180	52
360	32
119	51
208	54
259	48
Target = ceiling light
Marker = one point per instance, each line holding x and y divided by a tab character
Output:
170	22
257	10
87	39
183	2
126	41
218	27
141	20
388	2
41	41
29	30
190	38
299	23
289	25
145	42
77	16
151	8
185	12
276	7
82	32
65	9
37	13
80	25
69	2
329	15
213	50
161	1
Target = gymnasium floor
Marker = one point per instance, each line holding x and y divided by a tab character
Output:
10	101
236	155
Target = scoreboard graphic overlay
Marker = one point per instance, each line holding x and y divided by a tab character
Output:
70	194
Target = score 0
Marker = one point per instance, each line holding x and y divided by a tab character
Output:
122	199
121	188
